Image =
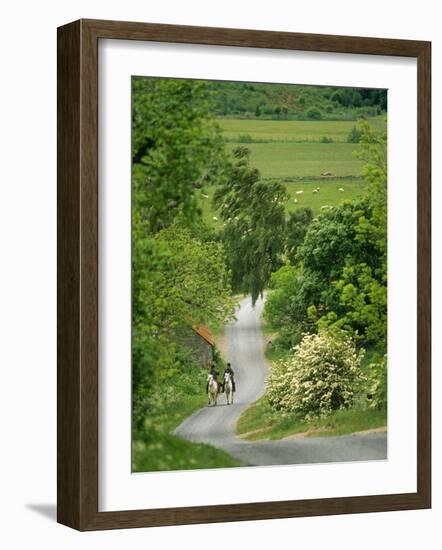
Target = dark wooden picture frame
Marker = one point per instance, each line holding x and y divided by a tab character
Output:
77	458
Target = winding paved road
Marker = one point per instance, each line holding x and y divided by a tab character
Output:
216	425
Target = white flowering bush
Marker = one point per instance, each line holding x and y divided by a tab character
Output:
321	376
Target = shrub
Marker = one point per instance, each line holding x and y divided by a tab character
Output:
377	384
321	376
355	135
314	114
245	138
326	139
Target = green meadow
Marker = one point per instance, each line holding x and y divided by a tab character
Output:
299	160
292	130
301	193
296	152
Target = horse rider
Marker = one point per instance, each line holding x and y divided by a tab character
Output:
215	375
229	370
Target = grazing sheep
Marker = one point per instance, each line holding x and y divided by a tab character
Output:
314	191
215	219
295	200
299	192
204	196
341	189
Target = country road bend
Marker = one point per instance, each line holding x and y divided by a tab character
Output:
216	425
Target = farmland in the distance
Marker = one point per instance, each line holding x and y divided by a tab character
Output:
298	153
292	130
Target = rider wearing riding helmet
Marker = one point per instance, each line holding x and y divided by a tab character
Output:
215	375
229	370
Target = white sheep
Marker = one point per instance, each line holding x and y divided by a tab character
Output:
341	189
299	192
215	219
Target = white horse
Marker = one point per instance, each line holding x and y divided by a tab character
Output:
212	389
228	387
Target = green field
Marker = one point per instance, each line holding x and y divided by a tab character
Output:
292	130
292	151
298	160
328	195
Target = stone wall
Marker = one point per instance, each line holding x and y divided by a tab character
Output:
201	350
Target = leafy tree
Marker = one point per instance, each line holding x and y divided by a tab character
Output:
331	238
254	218
354	135
373	150
314	114
357	296
176	148
297	225
178	281
340	279
282	310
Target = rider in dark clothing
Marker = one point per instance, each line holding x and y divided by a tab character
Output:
215	375
229	370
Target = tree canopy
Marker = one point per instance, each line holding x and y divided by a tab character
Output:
177	148
254	221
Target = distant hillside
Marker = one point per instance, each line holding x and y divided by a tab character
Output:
295	102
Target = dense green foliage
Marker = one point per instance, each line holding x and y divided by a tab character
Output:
176	149
283	101
178	281
336	279
254	217
180	276
338	275
297	225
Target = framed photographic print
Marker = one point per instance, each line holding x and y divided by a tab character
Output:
243	274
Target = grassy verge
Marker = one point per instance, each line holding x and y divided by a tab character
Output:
259	421
166	452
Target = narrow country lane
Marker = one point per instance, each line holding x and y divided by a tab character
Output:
216	425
